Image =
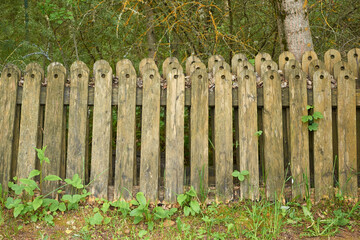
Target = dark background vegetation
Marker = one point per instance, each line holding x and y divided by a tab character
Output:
66	30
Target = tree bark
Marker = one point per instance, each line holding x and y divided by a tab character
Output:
296	26
150	34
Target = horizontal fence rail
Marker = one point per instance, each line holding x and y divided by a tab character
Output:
124	132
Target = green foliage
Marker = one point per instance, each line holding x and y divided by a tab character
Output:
240	175
188	201
34	208
258	133
310	119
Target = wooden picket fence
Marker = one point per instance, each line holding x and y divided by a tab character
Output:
228	106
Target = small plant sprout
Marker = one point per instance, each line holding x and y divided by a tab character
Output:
258	133
240	175
310	119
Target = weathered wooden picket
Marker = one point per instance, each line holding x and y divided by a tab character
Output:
228	105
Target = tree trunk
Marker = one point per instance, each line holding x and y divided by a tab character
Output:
297	28
150	34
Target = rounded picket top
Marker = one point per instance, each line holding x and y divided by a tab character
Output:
123	63
297	74
214	59
33	71
267	66
199	75
147	63
306	59
320	75
246	75
290	65
259	59
331	57
189	61
10	73
168	63
354	62
244	65
175	73
102	70
314	66
221	65
125	66
272	75
196	66
169	68
284	58
340	67
223	74
56	71
79	65
79	70
236	60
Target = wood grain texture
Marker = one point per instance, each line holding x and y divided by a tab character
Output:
54	123
273	135
299	135
268	65
170	67
236	60
10	77
199	129
346	113
174	163
126	131
323	149
101	140
248	140
78	121
284	58
331	57
307	57
150	135
189	61
314	66
259	59
30	109
223	135
214	59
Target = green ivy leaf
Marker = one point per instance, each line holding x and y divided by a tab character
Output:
318	115
105	207
18	209
244	172
313	127
142	233
141	198
308	107
62	207
33	218
187	210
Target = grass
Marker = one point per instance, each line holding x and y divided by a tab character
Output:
237	220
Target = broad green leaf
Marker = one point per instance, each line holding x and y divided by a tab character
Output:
18	209
138	219
195	206
313	127
34	218
150	225
187	210
142	233
306	118
181	199
241	178
37	203
105	207
141	198
191	192
244	172
107	220
62	207
236	173
52	178
306	211
136	212
308	107
34	173
96	219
